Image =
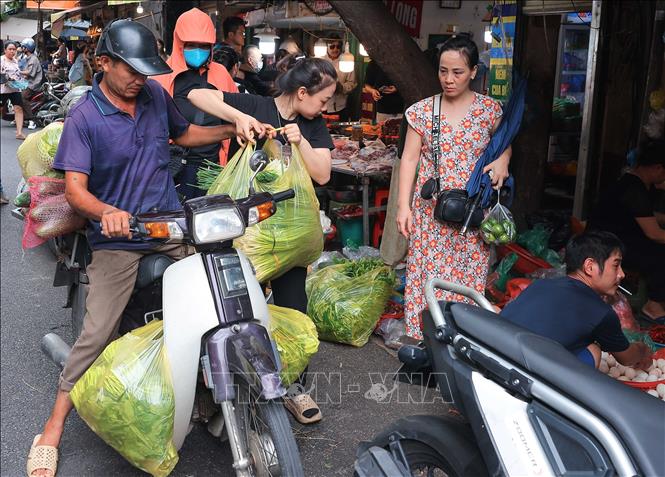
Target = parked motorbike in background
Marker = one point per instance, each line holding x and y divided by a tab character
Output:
529	406
224	364
45	104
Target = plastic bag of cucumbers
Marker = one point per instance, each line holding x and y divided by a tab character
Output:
498	228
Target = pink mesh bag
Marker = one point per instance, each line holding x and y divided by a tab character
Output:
50	215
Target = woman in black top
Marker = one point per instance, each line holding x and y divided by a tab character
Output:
304	89
627	210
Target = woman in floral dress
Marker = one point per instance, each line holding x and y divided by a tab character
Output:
467	121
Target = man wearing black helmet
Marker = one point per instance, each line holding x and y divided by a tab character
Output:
114	151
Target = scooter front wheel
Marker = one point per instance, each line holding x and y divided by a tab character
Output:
425	461
266	433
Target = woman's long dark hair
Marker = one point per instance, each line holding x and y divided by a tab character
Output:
313	74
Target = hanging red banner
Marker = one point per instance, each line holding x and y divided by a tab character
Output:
408	13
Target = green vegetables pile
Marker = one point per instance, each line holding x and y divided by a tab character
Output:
36	154
126	397
296	339
207	173
346	299
498	228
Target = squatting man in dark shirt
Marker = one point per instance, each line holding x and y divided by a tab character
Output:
570	309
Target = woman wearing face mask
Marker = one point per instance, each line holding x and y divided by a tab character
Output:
304	91
190	60
467	120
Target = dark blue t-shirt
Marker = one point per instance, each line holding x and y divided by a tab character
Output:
568	311
126	159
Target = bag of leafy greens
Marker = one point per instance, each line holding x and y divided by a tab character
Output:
292	237
126	397
346	300
36	154
296	339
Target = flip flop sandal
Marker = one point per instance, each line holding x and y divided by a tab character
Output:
303	408
656	321
42	457
20	137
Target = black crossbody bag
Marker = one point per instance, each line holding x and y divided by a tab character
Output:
452	205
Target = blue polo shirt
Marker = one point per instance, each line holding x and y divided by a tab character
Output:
568	311
126	159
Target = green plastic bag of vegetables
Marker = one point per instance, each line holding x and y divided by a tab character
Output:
36	154
296	338
292	237
346	300
126	397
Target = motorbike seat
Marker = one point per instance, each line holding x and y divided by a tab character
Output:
639	419
152	268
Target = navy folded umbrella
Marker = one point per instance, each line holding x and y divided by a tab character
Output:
501	139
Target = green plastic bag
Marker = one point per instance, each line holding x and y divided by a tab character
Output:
126	397
296	338
346	300
36	154
535	240
637	337
503	271
293	236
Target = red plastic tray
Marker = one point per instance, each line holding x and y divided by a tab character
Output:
526	262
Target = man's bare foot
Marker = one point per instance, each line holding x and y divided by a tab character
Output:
50	437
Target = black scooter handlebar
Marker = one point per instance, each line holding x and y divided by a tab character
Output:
284	195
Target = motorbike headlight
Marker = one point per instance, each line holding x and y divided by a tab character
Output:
217	225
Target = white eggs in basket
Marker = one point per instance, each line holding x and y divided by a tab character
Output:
656	372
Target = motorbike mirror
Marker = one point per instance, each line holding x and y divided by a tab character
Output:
258	161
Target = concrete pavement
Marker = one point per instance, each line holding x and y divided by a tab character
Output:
356	403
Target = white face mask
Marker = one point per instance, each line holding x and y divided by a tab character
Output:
259	66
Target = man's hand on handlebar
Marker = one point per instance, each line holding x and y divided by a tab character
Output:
115	223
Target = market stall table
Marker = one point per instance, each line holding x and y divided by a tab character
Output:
364	178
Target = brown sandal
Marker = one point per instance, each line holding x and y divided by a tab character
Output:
303	408
42	457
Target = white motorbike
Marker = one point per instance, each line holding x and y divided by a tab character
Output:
528	406
225	366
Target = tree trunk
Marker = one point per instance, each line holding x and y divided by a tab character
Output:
531	144
391	47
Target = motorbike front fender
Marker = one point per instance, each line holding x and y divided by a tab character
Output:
244	349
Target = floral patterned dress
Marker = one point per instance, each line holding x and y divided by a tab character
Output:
438	250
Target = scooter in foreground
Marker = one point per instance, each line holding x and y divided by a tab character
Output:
215	325
530	407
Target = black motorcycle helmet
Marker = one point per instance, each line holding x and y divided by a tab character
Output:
134	44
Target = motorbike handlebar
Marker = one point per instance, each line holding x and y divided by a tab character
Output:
284	195
134	226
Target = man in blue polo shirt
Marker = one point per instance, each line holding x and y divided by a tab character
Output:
114	151
570	309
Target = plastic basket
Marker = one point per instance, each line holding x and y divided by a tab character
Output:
526	262
645	386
